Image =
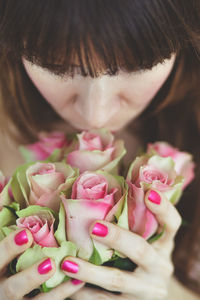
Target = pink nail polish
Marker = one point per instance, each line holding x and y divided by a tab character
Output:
45	266
21	238
76	281
154	197
70	266
100	230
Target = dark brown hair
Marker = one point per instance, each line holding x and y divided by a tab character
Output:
106	36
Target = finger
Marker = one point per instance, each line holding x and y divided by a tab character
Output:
62	291
14	244
111	279
91	294
166	214
130	244
20	284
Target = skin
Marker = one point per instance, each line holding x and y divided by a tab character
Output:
106	101
110	102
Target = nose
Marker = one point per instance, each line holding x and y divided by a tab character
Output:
98	101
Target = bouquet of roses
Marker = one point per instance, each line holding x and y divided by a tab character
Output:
68	182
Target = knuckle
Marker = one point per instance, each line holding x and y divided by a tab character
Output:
8	291
101	296
117	281
6	245
115	235
142	250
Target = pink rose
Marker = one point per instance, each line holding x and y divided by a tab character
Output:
184	165
3	181
6	195
95	195
47	143
41	229
94	150
150	172
46	181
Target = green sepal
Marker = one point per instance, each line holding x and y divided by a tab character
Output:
157	236
7	230
58	254
8	214
95	257
26	154
123	217
2	235
4	195
55	156
29	257
19	185
60	233
44	288
36	210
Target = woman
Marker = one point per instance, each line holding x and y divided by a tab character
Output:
131	66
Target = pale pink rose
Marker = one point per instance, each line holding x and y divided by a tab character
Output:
141	220
92	198
152	175
94	150
184	165
3	181
47	143
45	180
90	141
41	229
146	173
91	186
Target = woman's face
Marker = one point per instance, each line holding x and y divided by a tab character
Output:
106	101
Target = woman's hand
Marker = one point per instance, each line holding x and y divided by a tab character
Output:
149	281
20	284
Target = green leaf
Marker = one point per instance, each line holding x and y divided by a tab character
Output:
185	223
124	264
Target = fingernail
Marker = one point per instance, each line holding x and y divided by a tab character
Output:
76	281
21	238
100	230
69	266
45	266
154	197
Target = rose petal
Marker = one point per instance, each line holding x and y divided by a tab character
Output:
80	214
89	161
